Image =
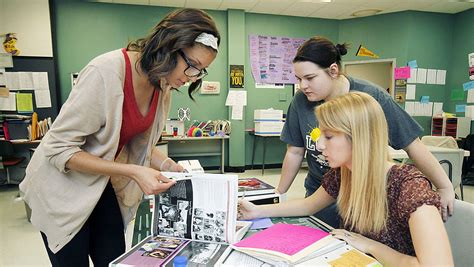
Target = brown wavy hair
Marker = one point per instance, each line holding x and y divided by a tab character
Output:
178	30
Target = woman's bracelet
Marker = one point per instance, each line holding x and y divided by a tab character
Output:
163	163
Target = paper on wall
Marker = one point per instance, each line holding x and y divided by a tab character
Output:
431	76
410	107
237	112
470	96
421	76
8	103
412	79
411	91
469	112
42	99
437	108
236	98
441	77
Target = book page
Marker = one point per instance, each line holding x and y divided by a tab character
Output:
283	238
189	211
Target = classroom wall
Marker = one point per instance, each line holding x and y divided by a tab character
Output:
463	44
87	29
426	37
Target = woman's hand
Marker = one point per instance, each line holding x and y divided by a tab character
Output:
246	210
447	201
358	241
151	181
175	167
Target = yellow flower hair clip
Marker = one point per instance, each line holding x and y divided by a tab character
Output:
315	134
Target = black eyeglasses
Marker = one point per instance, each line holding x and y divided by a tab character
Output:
191	71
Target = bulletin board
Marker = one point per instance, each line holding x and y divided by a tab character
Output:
38	64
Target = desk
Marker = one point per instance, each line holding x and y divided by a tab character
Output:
264	137
402	154
197	147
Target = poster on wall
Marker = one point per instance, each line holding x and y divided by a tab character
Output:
271	58
236	76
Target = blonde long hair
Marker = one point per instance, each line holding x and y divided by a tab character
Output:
362	199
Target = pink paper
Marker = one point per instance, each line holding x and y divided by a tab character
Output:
402	73
285	238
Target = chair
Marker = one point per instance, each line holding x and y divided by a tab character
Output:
439	141
461	233
450	157
8	158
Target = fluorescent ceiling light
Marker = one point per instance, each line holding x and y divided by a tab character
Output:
366	12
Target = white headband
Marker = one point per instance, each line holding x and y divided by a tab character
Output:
207	40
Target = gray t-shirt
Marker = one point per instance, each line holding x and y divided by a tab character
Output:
301	120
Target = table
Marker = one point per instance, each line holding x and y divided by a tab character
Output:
197	147
402	154
264	137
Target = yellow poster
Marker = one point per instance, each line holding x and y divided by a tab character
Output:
24	102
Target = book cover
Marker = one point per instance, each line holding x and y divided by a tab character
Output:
254	186
189	221
288	243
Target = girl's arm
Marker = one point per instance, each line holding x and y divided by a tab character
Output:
299	207
428	234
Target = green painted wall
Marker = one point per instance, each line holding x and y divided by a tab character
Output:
85	29
463	44
426	37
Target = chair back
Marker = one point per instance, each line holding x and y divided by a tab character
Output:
6	149
460	230
439	141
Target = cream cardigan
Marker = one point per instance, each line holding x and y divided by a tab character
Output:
61	200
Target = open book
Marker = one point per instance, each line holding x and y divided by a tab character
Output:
197	218
288	243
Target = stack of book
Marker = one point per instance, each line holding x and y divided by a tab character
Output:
190	221
257	191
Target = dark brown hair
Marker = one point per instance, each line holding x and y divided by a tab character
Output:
321	51
178	30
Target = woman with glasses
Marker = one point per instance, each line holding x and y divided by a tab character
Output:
317	66
387	210
86	179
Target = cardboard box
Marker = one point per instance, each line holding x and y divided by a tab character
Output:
269	127
267	115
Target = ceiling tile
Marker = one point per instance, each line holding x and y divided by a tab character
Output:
246	5
131	2
336	11
203	4
168	3
271	6
450	7
303	9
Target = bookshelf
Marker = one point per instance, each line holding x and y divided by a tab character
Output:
457	127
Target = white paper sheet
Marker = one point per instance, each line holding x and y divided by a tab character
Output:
411	91
437	108
421	76
26	80
236	98
470	96
42	98
410	108
237	112
12	80
40	81
8	103
431	76
412	78
441	77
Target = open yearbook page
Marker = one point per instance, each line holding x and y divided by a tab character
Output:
288	243
196	218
